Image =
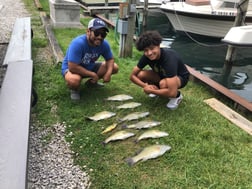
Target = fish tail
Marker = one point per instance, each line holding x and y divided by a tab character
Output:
103	143
124	126
136	141
130	161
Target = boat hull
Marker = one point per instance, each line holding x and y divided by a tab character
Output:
205	24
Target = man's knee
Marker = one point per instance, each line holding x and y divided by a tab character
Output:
73	81
115	69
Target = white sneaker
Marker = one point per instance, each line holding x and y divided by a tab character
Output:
75	95
174	102
152	95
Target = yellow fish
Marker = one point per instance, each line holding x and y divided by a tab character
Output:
109	128
150	152
119	135
101	115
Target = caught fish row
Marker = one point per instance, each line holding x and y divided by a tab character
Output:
123	134
126	132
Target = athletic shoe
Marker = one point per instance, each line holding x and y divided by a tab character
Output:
75	95
152	95
89	84
174	102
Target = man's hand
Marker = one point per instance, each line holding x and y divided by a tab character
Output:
94	78
150	89
106	78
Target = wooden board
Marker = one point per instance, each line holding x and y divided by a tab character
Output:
230	114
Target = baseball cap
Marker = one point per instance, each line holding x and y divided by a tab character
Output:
97	23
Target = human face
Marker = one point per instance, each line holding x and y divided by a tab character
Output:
152	52
96	36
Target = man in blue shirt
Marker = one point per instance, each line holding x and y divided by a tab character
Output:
82	55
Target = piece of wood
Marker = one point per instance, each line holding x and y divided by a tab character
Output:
220	88
15	105
230	114
57	52
38	4
19	47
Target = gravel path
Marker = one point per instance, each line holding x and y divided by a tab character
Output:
50	165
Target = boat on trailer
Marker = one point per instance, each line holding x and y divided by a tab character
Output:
212	18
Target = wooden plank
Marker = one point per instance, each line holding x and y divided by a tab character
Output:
15	103
19	47
58	54
230	114
223	90
38	4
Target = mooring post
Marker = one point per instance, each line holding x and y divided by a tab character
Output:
230	56
106	12
145	15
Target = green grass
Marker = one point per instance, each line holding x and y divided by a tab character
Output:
207	151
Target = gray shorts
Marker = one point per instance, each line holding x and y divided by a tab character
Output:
95	69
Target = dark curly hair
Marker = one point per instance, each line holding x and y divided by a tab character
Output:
147	39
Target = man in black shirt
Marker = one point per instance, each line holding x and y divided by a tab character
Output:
167	74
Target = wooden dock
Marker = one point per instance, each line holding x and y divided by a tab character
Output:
93	10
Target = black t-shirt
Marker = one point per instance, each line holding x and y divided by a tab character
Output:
168	65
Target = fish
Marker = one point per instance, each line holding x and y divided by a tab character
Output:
101	115
147	153
142	124
134	116
120	97
119	135
109	128
129	105
152	134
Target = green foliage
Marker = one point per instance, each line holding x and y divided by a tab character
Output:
207	150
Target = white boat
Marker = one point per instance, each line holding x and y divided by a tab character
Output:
239	36
211	18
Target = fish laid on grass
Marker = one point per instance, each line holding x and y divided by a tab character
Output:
120	97
119	135
129	105
102	115
152	134
142	124
150	152
109	128
134	116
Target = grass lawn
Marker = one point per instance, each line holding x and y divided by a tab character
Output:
207	151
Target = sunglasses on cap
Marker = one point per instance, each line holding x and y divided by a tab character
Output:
102	33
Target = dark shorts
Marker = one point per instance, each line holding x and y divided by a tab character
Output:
183	80
95	69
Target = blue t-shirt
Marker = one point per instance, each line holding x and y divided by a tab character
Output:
80	52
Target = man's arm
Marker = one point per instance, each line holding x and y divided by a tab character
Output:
135	79
109	69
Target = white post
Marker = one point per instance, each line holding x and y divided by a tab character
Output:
230	56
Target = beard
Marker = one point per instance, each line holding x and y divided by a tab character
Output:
95	41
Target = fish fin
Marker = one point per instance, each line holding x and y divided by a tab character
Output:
139	151
130	161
